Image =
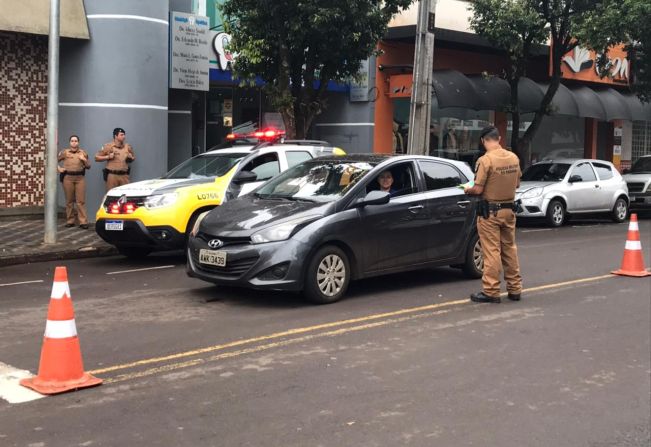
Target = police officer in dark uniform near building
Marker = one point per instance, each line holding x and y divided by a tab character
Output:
117	155
75	162
497	176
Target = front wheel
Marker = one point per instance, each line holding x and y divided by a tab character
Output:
556	213
473	267
620	211
327	276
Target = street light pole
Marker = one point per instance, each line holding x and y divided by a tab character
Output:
421	94
51	173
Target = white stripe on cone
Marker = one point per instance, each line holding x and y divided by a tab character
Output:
60	329
633	245
633	226
59	289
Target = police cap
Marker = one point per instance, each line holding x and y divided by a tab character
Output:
117	130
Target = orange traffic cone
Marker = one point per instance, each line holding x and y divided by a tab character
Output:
633	261
61	368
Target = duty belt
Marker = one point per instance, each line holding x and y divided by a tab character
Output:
75	172
496	206
110	171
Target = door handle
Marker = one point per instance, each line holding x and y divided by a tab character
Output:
463	203
597	186
415	208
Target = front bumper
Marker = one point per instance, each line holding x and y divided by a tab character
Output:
640	200
533	207
136	234
251	265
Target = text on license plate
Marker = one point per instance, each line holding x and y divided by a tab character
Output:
213	257
114	225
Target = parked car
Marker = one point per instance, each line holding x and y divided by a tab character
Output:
563	154
638	179
157	214
555	189
323	223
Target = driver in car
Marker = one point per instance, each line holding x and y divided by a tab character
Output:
385	180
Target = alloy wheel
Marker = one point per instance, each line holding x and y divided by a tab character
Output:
331	275
621	210
557	214
477	256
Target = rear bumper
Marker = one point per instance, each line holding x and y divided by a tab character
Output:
136	234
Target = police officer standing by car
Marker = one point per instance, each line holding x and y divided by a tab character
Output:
117	155
75	162
497	176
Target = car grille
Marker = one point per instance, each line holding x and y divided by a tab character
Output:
635	187
226	240
234	269
136	200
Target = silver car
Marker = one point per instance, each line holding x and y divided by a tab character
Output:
555	189
638	179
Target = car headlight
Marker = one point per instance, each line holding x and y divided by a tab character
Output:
195	228
161	200
280	232
531	193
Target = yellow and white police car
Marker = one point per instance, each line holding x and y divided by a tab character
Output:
158	214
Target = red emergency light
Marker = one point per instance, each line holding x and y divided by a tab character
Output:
125	208
268	134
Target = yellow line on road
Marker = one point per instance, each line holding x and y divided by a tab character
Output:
317	327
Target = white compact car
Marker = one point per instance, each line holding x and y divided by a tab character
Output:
638	179
555	189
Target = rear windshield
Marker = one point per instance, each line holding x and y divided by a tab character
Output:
545	172
206	165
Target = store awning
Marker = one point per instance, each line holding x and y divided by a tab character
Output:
615	105
494	93
589	104
33	17
454	89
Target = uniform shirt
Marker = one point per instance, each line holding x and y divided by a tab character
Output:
499	173
119	162
72	161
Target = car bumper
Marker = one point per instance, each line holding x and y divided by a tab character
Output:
255	266
136	234
640	200
533	207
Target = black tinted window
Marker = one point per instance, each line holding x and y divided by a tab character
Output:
439	175
585	172
603	171
545	172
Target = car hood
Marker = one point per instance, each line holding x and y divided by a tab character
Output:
156	186
248	214
637	177
524	186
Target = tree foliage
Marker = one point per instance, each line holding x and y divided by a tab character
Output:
297	46
627	22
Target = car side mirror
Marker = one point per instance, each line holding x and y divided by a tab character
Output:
245	177
374	198
575	179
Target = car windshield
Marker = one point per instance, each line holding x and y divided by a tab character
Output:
316	181
642	165
206	165
545	172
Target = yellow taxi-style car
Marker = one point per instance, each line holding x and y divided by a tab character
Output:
158	214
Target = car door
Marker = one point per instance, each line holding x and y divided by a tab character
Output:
395	233
450	210
583	195
265	166
608	185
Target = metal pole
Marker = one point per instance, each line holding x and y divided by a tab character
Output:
421	94
50	236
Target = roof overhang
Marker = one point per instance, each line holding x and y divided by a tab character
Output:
33	17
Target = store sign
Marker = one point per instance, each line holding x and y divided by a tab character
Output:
400	86
581	64
220	43
189	52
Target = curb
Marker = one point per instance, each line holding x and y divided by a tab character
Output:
79	253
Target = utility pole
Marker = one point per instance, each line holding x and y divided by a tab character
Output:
421	94
51	173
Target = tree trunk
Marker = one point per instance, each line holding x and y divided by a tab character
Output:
515	117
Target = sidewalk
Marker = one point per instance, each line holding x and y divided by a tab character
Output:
21	241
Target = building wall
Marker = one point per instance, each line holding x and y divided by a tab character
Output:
23	109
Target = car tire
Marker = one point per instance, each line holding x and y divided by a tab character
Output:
327	276
134	252
620	210
556	214
473	267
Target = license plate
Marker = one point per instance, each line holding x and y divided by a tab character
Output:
213	257
114	225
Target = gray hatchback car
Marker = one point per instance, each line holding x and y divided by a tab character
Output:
325	222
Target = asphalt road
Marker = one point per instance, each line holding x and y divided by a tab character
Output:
403	360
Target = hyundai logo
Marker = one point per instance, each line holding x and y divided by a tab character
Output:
215	243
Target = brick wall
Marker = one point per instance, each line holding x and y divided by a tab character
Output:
23	107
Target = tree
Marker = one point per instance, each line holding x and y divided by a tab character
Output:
616	22
298	46
558	18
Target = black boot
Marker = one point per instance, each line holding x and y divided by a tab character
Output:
514	296
481	297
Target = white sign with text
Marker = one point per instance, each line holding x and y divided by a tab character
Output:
189	52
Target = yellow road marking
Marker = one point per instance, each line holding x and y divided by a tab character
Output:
302	330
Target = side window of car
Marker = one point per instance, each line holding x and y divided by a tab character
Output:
585	172
297	157
399	178
265	166
604	171
440	175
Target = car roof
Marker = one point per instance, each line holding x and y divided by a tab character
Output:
231	150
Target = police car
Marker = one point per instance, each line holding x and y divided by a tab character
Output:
157	214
